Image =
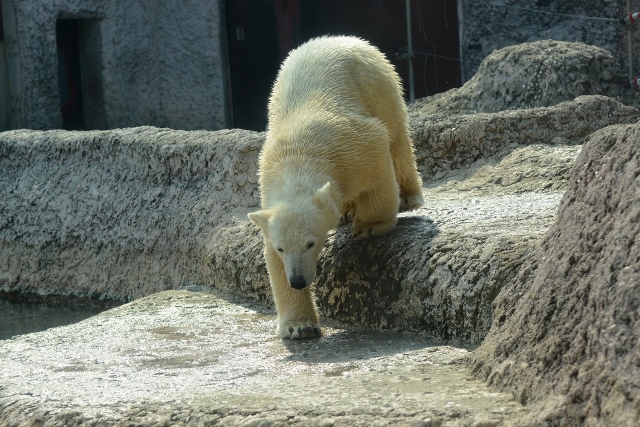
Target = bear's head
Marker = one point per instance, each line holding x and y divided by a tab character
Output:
297	230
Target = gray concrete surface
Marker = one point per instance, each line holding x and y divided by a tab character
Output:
145	63
185	358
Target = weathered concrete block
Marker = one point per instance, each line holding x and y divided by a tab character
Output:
118	214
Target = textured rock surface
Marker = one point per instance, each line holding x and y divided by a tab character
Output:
529	75
571	328
183	358
445	143
490	25
117	214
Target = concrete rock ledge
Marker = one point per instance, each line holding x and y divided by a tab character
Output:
445	143
117	214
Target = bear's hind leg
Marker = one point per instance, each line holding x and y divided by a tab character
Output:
297	313
376	209
404	165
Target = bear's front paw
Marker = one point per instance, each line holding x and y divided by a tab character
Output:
363	230
348	213
347	217
298	329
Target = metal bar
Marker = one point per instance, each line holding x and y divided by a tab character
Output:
410	51
630	45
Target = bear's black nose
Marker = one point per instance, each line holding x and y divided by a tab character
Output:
298	282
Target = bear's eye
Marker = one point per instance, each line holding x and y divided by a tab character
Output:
280	250
310	245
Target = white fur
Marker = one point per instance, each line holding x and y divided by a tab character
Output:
337	145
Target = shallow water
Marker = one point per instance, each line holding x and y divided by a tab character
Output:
19	318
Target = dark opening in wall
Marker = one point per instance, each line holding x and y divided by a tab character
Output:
69	74
80	73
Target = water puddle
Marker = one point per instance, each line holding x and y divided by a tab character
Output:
27	315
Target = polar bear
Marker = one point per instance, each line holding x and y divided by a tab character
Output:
337	146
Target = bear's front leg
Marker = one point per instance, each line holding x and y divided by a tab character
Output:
297	313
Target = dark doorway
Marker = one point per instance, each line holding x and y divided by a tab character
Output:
253	59
261	32
69	80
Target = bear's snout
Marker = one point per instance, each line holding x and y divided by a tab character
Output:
298	282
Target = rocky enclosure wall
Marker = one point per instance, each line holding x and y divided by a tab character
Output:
566	336
125	213
487	25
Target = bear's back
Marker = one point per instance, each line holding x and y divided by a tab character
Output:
335	74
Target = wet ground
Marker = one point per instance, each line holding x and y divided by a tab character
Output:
181	357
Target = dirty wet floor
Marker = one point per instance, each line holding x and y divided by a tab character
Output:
180	357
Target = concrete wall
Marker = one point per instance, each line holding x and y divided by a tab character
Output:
494	24
158	63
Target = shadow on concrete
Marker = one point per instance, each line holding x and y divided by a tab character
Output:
361	282
353	344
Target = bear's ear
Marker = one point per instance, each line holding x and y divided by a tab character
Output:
322	196
260	218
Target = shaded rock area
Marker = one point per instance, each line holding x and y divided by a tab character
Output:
567	337
530	75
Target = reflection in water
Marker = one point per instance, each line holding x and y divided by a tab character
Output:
18	318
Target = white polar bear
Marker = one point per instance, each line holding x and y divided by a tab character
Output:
337	145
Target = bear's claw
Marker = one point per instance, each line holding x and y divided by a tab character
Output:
299	330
